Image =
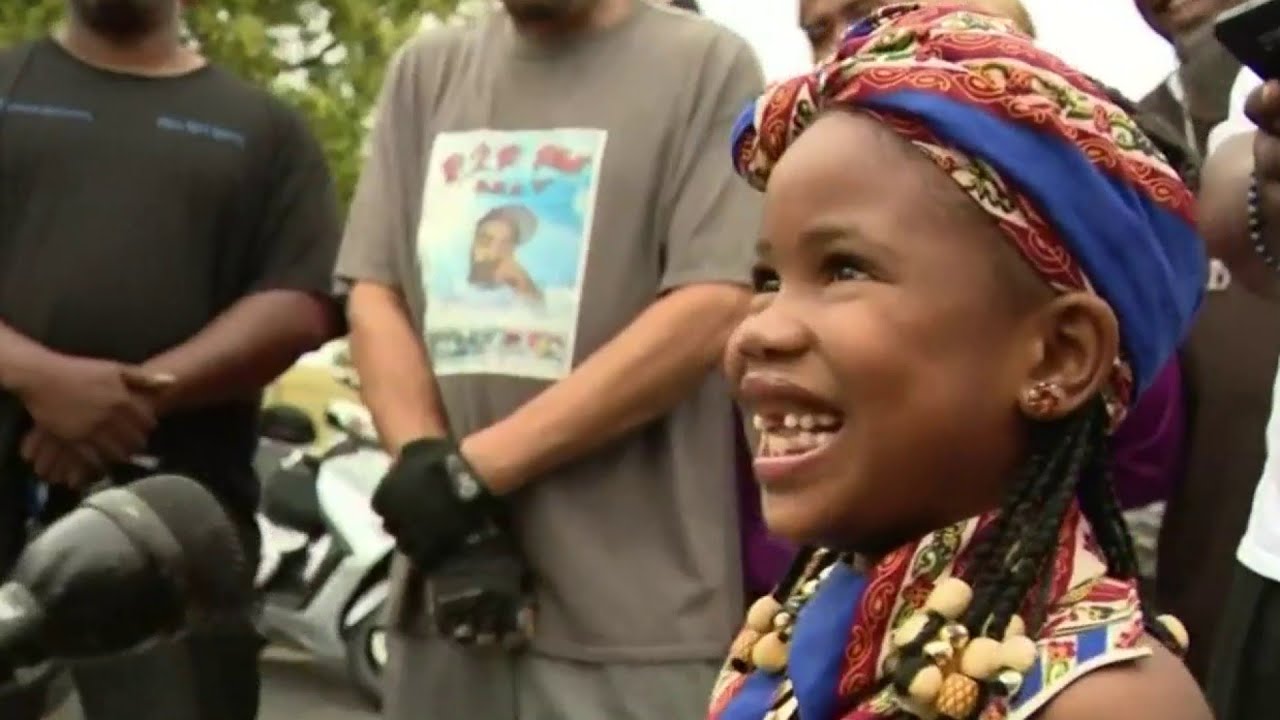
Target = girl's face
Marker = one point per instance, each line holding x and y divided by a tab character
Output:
892	333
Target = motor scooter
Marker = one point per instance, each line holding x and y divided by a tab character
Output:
323	578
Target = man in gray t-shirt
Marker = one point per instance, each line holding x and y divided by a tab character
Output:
547	250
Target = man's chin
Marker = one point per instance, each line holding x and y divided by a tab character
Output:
536	13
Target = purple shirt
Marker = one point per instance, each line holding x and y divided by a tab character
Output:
1147	452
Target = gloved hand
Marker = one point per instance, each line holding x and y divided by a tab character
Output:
481	596
433	504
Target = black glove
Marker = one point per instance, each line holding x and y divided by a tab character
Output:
481	596
433	504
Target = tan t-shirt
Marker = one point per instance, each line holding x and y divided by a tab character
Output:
530	200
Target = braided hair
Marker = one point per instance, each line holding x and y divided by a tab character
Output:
1069	461
1013	560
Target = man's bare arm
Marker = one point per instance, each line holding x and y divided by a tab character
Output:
396	382
245	348
1223	214
639	375
18	354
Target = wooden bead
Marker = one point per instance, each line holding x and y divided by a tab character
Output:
782	620
760	616
926	685
958	697
740	651
770	653
981	658
955	634
939	651
1175	628
909	631
950	598
1017	626
1019	653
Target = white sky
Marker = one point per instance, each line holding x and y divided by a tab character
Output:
1105	38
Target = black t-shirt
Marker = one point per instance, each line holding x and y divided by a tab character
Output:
134	210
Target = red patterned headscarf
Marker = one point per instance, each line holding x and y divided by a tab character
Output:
1084	195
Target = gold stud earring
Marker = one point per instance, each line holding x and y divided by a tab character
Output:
1043	398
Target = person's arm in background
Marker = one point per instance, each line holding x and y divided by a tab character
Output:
1224	189
396	382
287	309
670	347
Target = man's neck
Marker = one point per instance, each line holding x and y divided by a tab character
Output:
158	53
605	14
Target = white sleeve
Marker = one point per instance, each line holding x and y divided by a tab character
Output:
1236	121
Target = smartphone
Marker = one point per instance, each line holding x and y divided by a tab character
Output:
1251	32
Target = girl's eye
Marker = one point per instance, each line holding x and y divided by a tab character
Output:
844	268
764	280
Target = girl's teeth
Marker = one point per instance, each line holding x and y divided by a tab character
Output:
793	423
775	444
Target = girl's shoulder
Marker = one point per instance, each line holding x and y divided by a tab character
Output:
1155	687
1096	662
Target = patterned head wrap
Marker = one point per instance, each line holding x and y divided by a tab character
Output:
1087	199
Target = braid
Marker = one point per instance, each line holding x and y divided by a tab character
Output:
1068	460
991	555
1015	555
1101	507
1016	568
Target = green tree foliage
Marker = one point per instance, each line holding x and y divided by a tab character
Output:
327	57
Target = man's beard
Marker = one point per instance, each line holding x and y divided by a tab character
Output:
121	19
545	11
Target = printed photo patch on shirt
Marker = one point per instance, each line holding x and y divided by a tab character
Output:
503	244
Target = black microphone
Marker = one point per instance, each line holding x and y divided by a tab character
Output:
128	565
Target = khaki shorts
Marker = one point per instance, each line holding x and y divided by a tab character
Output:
433	679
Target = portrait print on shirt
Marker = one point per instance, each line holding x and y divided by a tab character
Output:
503	243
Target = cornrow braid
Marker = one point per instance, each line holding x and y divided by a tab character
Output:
1011	569
1101	507
1018	562
991	554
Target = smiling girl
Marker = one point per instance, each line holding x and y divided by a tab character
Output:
971	263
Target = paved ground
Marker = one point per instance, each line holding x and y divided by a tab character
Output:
295	689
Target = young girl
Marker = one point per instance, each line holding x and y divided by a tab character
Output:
971	263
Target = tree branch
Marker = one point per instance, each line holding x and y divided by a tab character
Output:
316	58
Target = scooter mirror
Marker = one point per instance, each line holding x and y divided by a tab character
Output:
287	424
351	419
